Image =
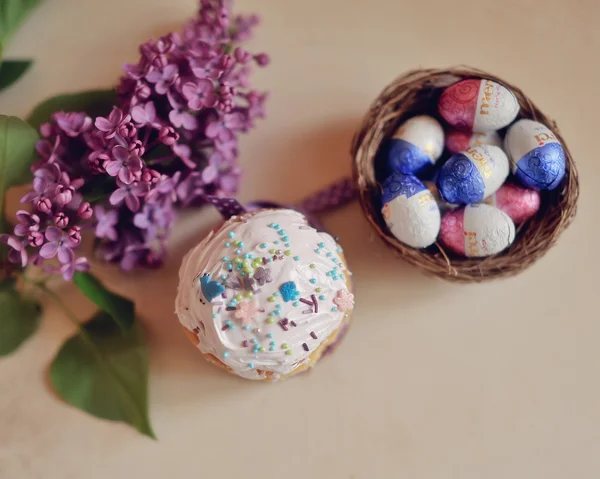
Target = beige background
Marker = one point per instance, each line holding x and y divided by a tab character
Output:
433	380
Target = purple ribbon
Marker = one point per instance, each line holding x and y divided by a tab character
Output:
329	198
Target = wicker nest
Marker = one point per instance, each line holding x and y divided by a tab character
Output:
417	92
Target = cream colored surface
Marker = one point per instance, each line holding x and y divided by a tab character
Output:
434	380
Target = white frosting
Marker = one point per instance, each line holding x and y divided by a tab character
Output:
487	230
308	258
497	107
424	132
415	221
492	164
524	136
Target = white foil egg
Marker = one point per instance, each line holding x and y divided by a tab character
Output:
410	210
416	144
477	230
478	105
537	157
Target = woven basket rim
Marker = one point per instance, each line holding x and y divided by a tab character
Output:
398	101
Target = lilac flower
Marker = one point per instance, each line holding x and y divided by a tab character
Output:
107	220
199	94
165	190
78	264
18	252
73	124
182	119
124	165
155	220
61	220
130	194
162	78
111	125
206	69
85	211
28	223
222	127
58	243
144	114
190	188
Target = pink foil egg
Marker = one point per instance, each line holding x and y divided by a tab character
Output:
518	203
477	230
457	140
478	105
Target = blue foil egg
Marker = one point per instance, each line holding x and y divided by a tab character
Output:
537	157
416	144
473	175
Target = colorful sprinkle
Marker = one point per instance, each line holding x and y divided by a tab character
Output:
318	290
295	304
270	320
285	346
318	251
329	254
231	234
322	297
246	328
306	301
225	354
269	335
263	245
238	251
287	245
245	343
321	245
293	323
314	300
271	299
313	266
289	352
282	232
288	252
285	238
225	328
240	244
296	258
251	365
313	281
305	346
275	242
271	348
334	309
313	335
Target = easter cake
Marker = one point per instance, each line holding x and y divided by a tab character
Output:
265	295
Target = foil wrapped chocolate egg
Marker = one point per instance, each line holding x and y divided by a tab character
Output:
537	157
473	175
410	211
416	144
478	105
443	205
457	140
518	203
477	230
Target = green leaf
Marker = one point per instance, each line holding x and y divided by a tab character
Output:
12	70
19	318
104	372
93	102
12	15
122	310
17	153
